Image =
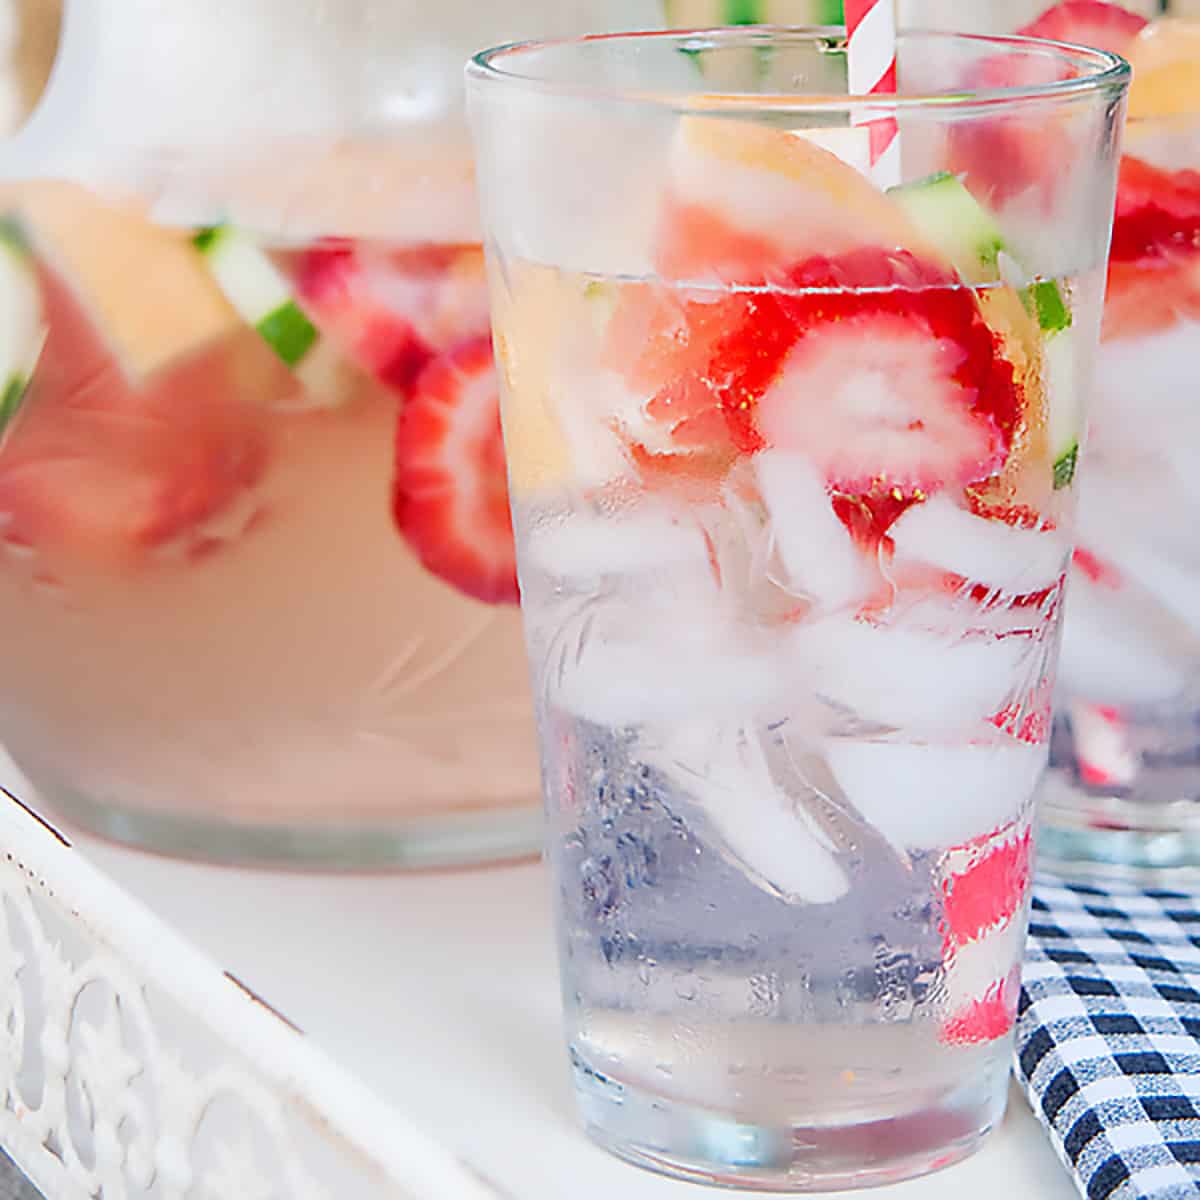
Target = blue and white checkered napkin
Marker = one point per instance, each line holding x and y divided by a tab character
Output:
1108	1036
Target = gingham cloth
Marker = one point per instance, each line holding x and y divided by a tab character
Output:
1108	1036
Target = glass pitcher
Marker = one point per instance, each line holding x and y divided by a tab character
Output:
256	568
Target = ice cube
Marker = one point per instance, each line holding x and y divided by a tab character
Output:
1120	647
666	653
818	553
926	796
929	680
751	820
940	534
586	546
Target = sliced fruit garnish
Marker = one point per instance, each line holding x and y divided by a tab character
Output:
1109	27
1007	155
22	328
898	386
1158	214
1154	270
1165	57
450	497
987	1017
1145	299
343	296
747	201
258	290
110	469
949	216
988	892
144	286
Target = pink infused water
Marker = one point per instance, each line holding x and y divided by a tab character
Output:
254	533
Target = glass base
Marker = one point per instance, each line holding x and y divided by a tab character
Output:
1122	797
1090	833
417	842
697	1144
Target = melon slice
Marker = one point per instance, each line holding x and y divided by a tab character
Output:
145	287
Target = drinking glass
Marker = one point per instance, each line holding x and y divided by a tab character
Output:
792	451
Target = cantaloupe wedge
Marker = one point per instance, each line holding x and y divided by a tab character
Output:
148	290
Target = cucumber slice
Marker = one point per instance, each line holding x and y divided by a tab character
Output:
1062	398
1046	301
22	323
950	217
259	292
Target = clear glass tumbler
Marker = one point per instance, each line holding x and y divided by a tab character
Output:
791	454
257	578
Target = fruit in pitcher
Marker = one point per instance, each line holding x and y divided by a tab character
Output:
135	433
450	496
259	292
22	330
393	312
143	287
112	469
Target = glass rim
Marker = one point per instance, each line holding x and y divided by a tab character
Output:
1108	72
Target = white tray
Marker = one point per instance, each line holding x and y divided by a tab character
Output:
430	1063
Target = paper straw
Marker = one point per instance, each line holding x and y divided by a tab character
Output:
871	46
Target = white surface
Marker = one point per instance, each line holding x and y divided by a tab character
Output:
440	992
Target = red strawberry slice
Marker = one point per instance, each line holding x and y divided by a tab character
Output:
393	311
899	386
1088	23
108	467
450	498
987	1018
1158	214
987	893
1006	155
1151	296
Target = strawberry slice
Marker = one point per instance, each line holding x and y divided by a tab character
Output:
877	366
987	1018
393	312
1006	155
1088	23
450	497
896	386
1154	268
987	893
1158	214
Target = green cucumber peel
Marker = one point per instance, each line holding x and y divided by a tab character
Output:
945	211
13	236
12	398
742	12
1064	468
288	332
1045	301
258	291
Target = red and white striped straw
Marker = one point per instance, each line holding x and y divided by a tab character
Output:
871	47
